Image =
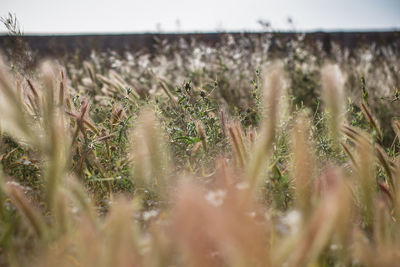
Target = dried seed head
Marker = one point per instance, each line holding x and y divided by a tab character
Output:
396	127
237	143
32	216
48	70
217	221
273	85
367	182
371	120
302	164
333	95
150	156
116	114
13	119
89	70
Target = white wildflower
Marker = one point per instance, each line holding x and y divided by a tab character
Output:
216	198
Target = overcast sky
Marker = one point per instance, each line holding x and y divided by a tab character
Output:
99	16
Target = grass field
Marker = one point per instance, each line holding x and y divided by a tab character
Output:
201	156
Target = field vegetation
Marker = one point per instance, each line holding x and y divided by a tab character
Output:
201	156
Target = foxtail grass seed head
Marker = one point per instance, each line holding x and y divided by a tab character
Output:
217	222
326	220
302	164
366	179
33	217
48	70
237	143
150	156
119	236
386	164
333	95
89	70
14	120
372	121
396	128
272	88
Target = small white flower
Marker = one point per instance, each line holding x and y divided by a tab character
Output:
290	222
216	198
147	215
335	247
242	185
251	214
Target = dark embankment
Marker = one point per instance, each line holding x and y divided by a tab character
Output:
60	45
